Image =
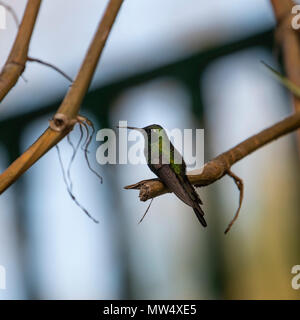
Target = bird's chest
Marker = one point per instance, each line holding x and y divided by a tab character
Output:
154	154
158	154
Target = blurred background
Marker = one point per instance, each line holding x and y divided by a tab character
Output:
182	64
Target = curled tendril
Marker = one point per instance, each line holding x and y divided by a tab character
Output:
84	125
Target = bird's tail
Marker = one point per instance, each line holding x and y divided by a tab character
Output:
199	213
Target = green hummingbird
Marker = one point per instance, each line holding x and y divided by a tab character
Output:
165	161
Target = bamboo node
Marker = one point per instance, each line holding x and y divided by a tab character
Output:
60	122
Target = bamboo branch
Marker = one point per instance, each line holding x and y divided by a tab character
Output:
219	166
15	63
66	116
31	59
80	86
288	39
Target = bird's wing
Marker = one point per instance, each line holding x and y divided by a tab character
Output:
181	186
174	183
183	177
191	190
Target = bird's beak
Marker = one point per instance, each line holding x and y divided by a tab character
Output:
132	128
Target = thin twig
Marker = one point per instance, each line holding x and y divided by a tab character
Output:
292	87
240	184
52	66
69	187
86	149
75	149
146	211
11	11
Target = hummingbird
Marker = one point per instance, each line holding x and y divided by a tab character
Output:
165	161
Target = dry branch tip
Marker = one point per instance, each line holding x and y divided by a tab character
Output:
240	184
144	215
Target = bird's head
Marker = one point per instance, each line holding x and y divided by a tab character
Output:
153	129
148	130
